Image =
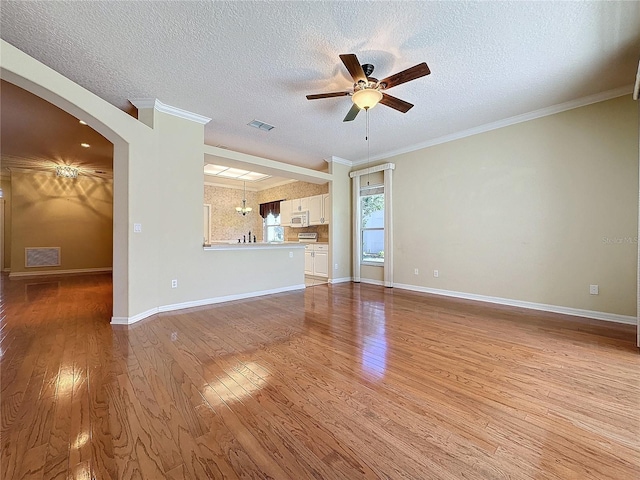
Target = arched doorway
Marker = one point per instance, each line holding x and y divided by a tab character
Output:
130	138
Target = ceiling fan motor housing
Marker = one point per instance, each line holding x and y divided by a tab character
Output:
370	83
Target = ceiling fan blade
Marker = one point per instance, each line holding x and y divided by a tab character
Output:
327	95
351	114
353	65
407	75
396	103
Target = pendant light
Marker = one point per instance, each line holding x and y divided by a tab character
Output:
243	210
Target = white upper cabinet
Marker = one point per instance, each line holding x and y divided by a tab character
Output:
285	213
315	210
326	208
319	209
299	205
318	206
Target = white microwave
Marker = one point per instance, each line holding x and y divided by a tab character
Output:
300	219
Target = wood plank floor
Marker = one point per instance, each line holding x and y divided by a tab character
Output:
336	382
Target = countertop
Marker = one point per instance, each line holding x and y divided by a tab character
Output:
251	246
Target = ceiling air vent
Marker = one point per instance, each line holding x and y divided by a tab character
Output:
261	125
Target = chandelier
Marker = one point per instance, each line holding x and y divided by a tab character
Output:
66	171
243	210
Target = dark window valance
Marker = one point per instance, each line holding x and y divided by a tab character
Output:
272	208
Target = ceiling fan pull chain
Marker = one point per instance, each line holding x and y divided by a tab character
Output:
367	139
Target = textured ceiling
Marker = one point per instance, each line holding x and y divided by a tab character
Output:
240	61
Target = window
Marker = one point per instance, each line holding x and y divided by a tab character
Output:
372	225
273	232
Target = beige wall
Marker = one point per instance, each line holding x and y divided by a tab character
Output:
5	184
340	227
226	223
204	274
73	214
535	212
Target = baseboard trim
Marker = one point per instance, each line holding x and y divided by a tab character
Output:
576	312
340	280
228	298
370	281
134	319
201	303
48	273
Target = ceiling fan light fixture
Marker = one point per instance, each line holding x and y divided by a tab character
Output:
367	98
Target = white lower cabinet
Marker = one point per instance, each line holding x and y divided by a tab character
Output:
316	260
308	260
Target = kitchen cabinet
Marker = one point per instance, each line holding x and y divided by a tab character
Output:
285	213
326	208
299	205
308	260
319	209
318	206
315	210
316	260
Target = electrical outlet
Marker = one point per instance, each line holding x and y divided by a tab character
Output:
593	289
290	254
336	267
436	273
415	271
137	228
174	283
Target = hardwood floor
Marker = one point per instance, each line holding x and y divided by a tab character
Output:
336	382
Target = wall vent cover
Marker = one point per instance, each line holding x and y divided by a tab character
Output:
42	257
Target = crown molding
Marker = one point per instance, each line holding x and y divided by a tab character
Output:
525	117
144	103
341	161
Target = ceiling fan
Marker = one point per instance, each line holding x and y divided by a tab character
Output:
367	91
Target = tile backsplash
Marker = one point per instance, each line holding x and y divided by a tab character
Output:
291	233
